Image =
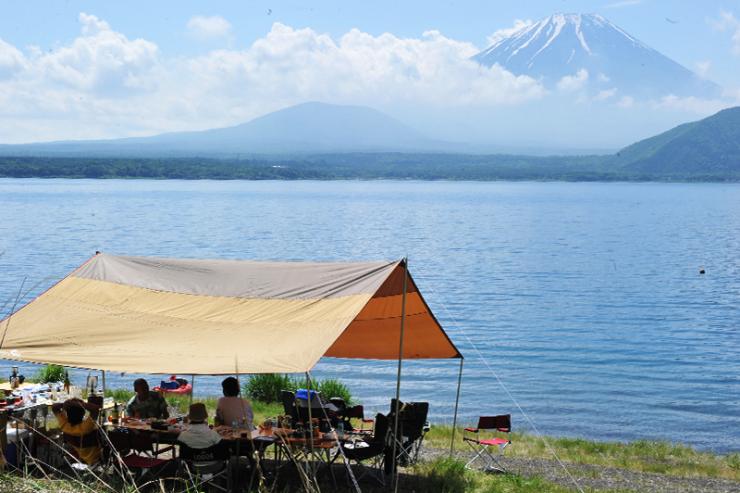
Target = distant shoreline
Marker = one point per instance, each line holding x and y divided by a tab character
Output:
355	166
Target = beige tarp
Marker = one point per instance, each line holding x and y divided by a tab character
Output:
152	315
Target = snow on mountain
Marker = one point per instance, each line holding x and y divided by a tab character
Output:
563	50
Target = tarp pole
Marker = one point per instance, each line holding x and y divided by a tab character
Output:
192	390
102	374
398	376
457	401
310	428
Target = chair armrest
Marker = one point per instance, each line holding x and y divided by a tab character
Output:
472	430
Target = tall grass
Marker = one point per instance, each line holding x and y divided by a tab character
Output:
49	373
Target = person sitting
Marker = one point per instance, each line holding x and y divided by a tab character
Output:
198	435
80	431
171	384
146	404
231	408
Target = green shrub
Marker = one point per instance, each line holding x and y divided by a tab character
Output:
50	373
334	388
266	387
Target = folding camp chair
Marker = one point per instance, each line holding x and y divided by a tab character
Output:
372	449
494	424
358	413
74	442
412	427
289	408
206	468
134	451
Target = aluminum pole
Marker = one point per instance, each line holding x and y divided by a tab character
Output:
398	376
457	401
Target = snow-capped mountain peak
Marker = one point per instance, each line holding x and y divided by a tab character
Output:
562	45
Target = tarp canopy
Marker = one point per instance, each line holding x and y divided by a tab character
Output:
156	315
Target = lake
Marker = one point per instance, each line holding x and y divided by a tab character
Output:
584	299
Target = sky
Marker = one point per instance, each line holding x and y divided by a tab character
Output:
83	69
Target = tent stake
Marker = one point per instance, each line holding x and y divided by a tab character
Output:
457	401
398	376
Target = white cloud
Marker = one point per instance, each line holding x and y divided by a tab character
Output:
702	67
603	77
622	3
626	102
11	60
101	60
91	25
606	94
208	27
728	22
575	82
103	84
501	34
691	104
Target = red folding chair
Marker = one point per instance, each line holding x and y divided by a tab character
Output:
358	413
481	445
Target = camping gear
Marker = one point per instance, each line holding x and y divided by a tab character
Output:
481	445
103	313
215	310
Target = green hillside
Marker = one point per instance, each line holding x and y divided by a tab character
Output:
708	147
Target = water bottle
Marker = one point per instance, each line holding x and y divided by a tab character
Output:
340	429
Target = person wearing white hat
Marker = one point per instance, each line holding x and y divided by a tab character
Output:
198	435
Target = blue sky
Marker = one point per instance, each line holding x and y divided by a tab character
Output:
689	39
84	69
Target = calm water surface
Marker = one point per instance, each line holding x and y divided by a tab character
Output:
584	299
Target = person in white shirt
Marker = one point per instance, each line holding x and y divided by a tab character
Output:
233	409
198	435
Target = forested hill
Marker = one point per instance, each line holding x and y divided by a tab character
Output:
347	166
711	145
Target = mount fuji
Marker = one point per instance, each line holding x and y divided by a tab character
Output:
586	51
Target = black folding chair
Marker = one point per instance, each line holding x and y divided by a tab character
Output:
289	408
373	449
481	445
207	468
412	427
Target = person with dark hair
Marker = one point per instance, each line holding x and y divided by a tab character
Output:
231	408
80	431
145	403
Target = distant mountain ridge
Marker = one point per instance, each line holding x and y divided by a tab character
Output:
561	45
707	149
304	128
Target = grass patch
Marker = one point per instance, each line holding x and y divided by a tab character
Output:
641	455
440	476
